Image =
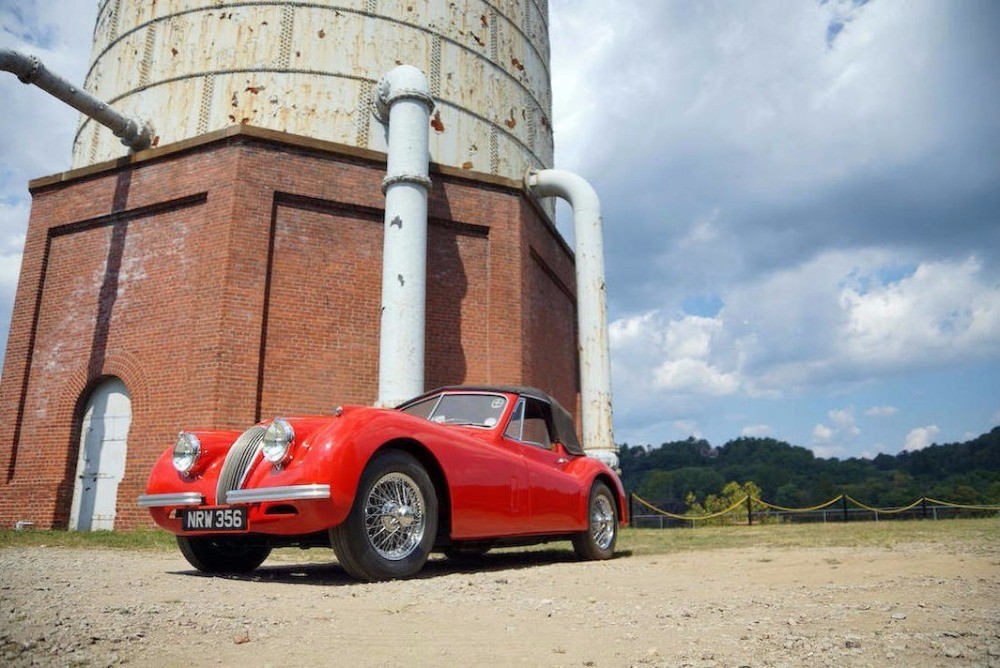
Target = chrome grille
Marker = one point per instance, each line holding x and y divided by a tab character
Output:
237	465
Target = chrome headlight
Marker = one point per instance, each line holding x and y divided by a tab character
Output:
277	440
186	451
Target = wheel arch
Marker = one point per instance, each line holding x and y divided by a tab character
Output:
616	489
434	469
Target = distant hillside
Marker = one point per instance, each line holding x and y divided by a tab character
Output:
790	475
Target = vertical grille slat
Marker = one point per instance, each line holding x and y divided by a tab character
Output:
238	461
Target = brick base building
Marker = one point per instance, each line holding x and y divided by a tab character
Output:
237	276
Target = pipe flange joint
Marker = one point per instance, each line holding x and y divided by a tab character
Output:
386	95
393	179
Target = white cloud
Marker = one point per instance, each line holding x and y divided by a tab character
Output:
695	376
755	430
843	419
881	411
830	440
822	433
11	247
830	319
920	438
944	311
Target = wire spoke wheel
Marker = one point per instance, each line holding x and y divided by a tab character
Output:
602	522
393	521
598	540
395	516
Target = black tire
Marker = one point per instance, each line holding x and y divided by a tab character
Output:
598	541
222	554
382	539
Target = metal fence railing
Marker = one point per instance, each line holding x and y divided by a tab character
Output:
843	508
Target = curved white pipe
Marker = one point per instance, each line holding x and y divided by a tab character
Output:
592	310
403	101
134	134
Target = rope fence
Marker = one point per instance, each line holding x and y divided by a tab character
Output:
849	508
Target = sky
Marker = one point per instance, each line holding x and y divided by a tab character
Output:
801	204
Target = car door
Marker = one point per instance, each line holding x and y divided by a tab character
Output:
554	494
487	477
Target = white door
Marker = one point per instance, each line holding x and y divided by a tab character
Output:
101	464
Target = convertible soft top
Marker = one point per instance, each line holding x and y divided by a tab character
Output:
562	421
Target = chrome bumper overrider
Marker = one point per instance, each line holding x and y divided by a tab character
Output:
289	493
175	499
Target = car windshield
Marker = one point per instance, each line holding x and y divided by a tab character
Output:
475	410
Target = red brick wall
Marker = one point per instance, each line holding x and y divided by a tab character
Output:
241	278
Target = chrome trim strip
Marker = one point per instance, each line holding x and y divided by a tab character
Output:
289	493
174	499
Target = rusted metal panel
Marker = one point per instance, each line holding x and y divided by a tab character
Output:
194	66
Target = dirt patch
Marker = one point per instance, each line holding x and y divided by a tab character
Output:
913	605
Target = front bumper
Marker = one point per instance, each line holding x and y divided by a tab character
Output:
269	494
175	499
259	495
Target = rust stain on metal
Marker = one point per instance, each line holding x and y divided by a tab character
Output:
478	41
254	89
517	64
511	122
321	33
436	122
174	51
482	19
466	165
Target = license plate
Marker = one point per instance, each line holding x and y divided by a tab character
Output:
215	520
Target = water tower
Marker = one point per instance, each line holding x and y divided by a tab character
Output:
309	69
233	270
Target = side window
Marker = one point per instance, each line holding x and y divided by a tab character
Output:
537	418
515	425
531	423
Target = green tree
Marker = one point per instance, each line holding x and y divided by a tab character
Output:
732	494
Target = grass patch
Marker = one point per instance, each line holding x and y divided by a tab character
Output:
143	539
950	535
958	533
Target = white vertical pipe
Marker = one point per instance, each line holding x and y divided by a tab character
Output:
403	101
592	310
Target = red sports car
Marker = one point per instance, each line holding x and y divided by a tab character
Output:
458	470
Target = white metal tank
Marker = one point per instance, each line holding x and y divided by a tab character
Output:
309	68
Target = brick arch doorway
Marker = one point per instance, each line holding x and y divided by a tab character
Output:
100	466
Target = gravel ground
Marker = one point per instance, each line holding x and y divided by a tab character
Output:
908	606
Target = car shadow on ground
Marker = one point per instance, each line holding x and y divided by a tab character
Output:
331	574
